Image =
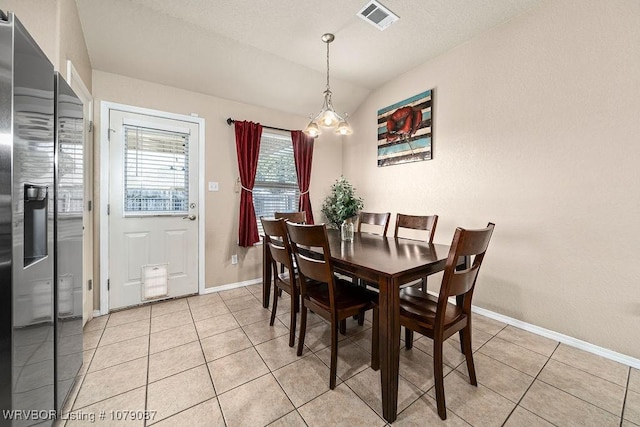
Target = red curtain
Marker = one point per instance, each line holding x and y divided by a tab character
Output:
248	148
303	155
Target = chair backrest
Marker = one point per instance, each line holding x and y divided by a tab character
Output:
276	236
427	223
466	243
298	217
377	219
312	264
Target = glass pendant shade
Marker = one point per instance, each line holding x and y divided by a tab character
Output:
344	128
312	130
328	117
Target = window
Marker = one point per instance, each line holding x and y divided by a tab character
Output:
156	171
276	186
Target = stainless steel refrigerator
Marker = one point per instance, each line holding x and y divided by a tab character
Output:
68	230
40	336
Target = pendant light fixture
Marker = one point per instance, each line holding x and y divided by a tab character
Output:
328	117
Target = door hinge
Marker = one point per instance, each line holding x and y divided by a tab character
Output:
89	284
89	205
108	284
108	209
90	125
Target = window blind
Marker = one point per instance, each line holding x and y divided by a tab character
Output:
156	171
276	186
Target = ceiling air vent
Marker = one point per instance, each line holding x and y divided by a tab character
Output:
377	15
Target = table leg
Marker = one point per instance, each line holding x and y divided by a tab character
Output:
266	275
389	324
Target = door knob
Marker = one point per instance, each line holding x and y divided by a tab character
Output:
190	217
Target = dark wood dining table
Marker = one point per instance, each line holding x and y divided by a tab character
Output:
388	262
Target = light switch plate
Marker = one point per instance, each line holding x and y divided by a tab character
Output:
213	186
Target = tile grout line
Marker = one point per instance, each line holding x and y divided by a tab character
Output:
363	401
75	398
526	348
580	398
577	397
146	383
488	388
95	350
287	414
455	369
529	388
593	374
274	378
624	400
310	353
204	357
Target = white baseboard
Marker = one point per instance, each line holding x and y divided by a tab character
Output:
97	313
208	290
557	336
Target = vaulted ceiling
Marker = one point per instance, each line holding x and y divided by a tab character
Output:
269	53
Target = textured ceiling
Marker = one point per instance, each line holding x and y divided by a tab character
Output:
269	53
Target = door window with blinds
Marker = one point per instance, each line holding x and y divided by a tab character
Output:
156	165
276	186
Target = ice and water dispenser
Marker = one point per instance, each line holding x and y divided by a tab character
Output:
36	201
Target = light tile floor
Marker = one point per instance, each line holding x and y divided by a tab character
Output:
214	360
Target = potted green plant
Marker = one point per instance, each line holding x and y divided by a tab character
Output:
341	205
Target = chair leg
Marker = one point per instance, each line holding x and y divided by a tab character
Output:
439	378
375	342
334	355
292	323
274	307
468	354
424	284
408	338
343	326
303	328
361	318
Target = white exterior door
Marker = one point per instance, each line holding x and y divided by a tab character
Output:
153	208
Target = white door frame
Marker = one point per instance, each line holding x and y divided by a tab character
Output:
80	88
105	106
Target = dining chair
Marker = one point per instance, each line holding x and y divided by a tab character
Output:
435	317
378	221
426	223
373	221
297	217
325	294
275	236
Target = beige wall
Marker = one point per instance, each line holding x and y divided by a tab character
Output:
221	226
55	26
536	128
71	41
